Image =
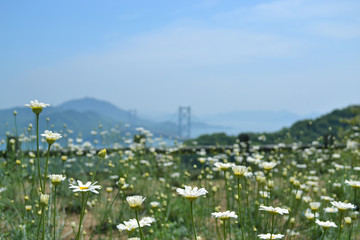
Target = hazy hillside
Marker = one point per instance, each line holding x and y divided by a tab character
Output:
304	131
101	107
83	115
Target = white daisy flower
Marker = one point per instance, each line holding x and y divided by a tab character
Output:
270	236
326	224
273	210
267	165
223	166
239	171
129	226
56	179
135	201
354	184
37	106
191	193
343	206
50	136
85	187
224	215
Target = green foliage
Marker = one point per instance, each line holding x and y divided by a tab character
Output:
337	123
212	139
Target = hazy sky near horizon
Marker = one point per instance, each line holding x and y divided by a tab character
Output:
301	56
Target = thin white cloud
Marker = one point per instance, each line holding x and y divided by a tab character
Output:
194	46
300	9
306	18
337	30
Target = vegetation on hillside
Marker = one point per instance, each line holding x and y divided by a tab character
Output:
337	123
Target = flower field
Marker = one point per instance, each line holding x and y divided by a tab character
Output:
77	191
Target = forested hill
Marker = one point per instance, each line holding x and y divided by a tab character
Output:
337	123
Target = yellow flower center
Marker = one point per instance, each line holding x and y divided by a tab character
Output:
50	140
224	218
82	188
37	110
190	198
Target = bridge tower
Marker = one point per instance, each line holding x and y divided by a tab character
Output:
184	122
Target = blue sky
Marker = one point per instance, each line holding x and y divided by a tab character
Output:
217	56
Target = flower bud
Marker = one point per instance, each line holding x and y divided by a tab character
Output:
44	200
121	182
102	153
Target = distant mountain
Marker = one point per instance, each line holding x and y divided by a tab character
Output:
101	107
77	122
308	130
83	115
161	125
86	114
304	131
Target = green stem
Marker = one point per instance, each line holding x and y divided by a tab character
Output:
324	234
16	132
272	225
226	189
341	216
55	214
355	200
247	200
192	219
217	229
43	223
46	167
38	230
96	169
350	231
224	229
37	148
314	225
141	232
239	212
81	216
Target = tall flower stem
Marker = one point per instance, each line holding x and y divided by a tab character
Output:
55	213
227	197
82	211
226	190
324	234
96	169
46	167
16	131
350	231
43	225
192	219
272	225
341	216
314	225
37	148
355	200
142	237
239	211
224	229
41	217
217	229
